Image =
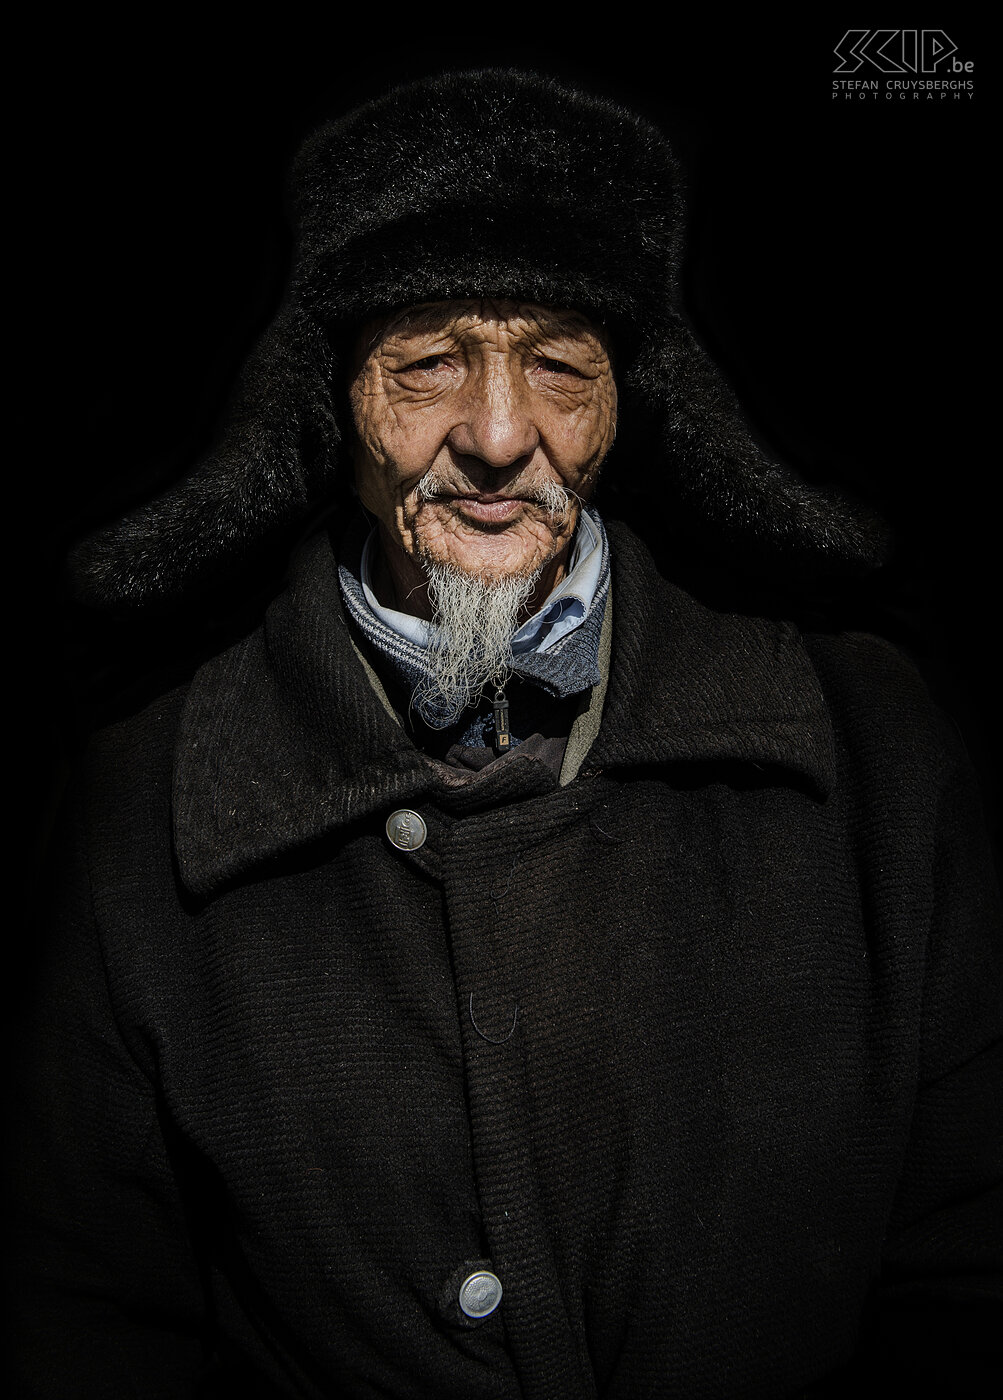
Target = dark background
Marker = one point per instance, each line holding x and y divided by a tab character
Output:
837	272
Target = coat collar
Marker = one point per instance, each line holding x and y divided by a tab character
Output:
691	684
283	742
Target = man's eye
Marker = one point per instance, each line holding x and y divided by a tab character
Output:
559	367
427	362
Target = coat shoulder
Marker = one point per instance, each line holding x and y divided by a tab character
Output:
878	698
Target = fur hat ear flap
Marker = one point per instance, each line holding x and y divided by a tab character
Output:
273	458
732	498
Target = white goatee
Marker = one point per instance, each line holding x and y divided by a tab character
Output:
473	622
474	618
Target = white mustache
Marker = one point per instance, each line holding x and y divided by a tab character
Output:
551	495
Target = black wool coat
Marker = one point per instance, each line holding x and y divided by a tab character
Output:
697	1052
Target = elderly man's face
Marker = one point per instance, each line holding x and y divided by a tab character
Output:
468	414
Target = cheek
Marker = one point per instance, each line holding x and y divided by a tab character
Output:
400	440
586	435
373	471
384	452
370	484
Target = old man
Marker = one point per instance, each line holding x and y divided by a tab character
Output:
500	973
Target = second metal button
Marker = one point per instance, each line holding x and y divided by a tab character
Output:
480	1293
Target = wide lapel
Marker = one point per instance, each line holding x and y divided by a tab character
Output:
282	739
691	684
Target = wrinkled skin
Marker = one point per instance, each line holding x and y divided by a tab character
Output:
496	399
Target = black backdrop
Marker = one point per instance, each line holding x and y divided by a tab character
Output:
837	271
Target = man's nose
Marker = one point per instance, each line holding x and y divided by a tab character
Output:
496	423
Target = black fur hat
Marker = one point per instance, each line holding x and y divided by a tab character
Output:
489	183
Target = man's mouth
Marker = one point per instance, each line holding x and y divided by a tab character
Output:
493	509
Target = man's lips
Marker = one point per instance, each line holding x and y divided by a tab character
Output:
491	508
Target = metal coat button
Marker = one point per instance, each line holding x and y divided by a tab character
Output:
480	1293
406	830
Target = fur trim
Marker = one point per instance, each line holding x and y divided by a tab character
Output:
489	183
276	451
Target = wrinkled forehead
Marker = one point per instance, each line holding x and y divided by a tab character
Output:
476	316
